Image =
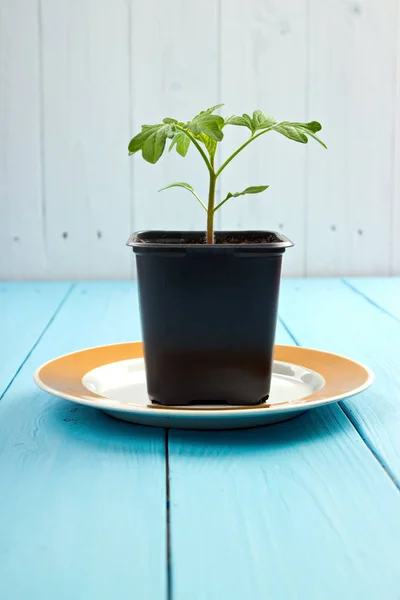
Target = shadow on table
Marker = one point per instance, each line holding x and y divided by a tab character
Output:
313	426
91	426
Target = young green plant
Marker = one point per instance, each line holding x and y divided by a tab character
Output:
205	132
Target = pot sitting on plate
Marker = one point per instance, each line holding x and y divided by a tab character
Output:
208	314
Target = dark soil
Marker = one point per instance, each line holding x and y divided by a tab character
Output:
270	238
235	238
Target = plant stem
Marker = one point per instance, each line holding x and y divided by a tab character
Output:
221	203
242	147
210	208
199	148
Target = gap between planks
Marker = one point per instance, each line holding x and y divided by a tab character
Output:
168	517
345	411
46	327
369	300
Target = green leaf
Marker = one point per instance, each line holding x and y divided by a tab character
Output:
235	120
206	128
154	145
187	187
208	124
254	189
137	142
262	121
317	139
291	132
311	129
299	132
182	184
209	143
258	117
313	126
151	141
209	111
258	121
211	125
182	143
243	121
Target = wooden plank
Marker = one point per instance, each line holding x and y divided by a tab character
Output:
26	309
264	66
176	79
297	510
327	314
21	227
352	61
82	495
385	292
86	130
395	215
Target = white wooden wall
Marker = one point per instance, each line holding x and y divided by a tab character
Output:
79	77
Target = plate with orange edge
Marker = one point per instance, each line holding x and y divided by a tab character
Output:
112	378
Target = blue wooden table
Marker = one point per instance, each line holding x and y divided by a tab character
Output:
96	509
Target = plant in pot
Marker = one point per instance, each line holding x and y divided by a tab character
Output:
208	300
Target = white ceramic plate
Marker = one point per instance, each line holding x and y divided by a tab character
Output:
112	378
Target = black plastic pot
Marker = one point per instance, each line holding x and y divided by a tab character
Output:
208	315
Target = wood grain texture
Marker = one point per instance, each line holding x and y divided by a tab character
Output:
291	511
82	495
264	66
94	71
384	292
23	251
86	128
335	318
395	217
178	78
26	309
350	186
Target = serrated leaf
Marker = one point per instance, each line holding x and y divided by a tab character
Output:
243	121
291	132
137	142
258	116
258	121
299	132
313	126
236	120
181	142
262	121
311	129
154	145
151	141
207	127
211	125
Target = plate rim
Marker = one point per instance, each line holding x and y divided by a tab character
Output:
103	403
